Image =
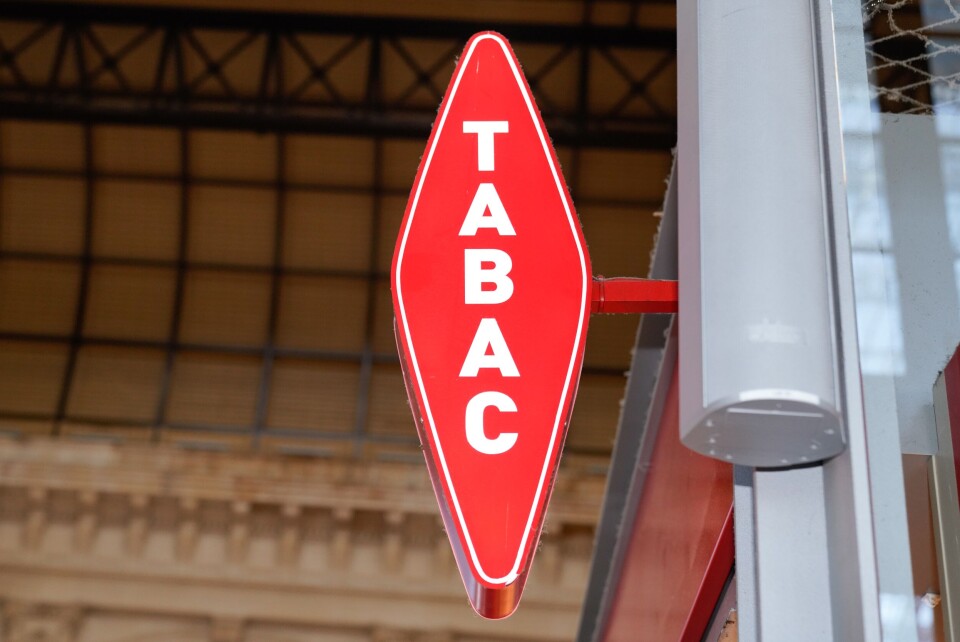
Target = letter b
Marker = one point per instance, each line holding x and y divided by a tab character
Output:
475	275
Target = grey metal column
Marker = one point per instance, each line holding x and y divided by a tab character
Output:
744	528
808	565
758	353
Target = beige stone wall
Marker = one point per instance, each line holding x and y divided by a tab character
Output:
124	542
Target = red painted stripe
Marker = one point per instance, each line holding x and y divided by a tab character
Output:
680	548
711	588
951	375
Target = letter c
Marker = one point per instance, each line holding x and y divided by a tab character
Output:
474	422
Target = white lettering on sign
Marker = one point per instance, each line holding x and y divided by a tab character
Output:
489	337
487	199
474	422
475	275
485	129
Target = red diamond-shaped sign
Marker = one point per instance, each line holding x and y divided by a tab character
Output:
491	290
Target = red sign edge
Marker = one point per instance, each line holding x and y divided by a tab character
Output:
422	410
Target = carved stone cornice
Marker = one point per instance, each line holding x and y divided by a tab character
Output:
157	469
31	622
238	539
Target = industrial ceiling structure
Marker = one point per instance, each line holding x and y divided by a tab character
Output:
204	433
240	175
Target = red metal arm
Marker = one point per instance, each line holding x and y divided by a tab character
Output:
626	295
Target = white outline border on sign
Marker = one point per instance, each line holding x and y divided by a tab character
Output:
513	574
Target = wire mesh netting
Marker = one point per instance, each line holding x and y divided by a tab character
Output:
913	49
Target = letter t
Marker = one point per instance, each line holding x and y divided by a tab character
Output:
485	129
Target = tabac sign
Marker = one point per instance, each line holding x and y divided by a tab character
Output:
492	293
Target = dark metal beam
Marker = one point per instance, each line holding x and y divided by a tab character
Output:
319	23
207	95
